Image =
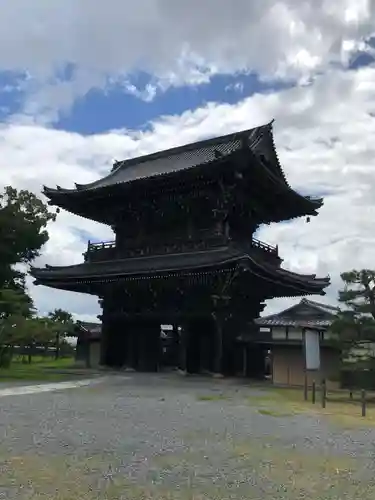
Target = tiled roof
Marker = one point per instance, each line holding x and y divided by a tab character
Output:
323	307
248	149
139	267
91	331
292	322
320	315
259	140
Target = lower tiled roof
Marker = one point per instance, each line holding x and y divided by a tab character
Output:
151	266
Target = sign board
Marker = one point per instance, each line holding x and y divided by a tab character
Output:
312	350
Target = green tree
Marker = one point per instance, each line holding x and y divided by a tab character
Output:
15	307
64	324
23	223
33	332
355	323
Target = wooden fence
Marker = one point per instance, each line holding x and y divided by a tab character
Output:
320	395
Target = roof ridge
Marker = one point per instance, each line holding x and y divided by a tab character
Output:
183	148
190	146
319	304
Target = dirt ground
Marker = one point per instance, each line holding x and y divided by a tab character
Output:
168	437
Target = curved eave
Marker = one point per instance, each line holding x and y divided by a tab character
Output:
68	199
266	146
151	267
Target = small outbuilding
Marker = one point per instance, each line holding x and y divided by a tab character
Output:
301	344
88	343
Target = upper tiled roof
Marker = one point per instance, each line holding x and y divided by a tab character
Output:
258	139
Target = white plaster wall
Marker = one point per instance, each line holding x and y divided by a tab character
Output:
279	333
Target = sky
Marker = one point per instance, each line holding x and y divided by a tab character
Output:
85	83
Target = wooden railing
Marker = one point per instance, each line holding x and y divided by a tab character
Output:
101	245
264	246
107	250
99	252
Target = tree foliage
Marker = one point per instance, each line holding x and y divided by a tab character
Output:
23	221
63	317
355	323
64	324
23	232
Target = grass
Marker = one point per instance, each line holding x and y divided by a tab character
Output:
339	409
57	478
40	369
295	474
211	397
252	466
281	472
274	413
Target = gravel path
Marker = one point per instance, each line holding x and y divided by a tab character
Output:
165	437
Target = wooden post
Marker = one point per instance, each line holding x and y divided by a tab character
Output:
306	387
129	345
57	344
183	348
244	365
363	402
324	393
313	393
218	360
88	356
176	345
104	342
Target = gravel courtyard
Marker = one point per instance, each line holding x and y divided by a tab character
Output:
164	437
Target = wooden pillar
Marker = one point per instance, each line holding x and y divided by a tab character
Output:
104	341
110	335
143	345
120	341
150	348
218	346
205	350
175	346
140	333
205	344
183	348
245	354
131	347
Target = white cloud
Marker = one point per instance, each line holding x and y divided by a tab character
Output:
175	42
324	134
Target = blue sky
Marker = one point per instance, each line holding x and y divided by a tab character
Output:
115	108
128	105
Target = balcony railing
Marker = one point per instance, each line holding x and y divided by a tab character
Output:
99	252
107	250
264	246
